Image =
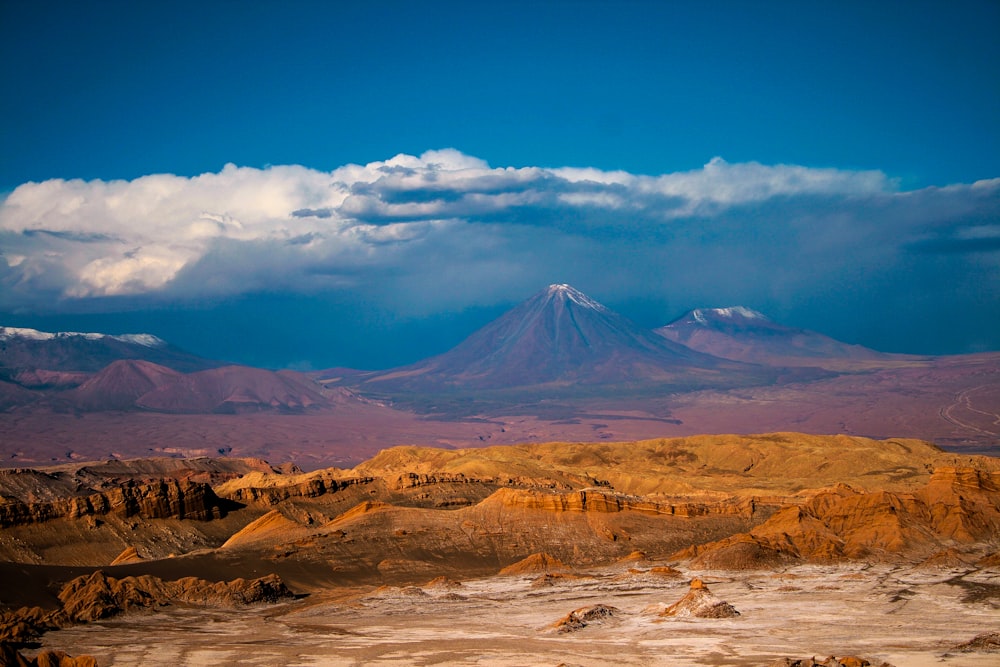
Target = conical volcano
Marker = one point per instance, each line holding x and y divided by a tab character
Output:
559	337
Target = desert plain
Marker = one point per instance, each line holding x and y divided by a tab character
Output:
774	549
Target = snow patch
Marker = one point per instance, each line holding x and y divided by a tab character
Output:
6	333
146	340
574	295
739	311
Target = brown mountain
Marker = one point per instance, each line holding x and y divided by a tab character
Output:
234	389
120	384
743	334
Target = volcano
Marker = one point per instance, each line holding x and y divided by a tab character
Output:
560	337
743	334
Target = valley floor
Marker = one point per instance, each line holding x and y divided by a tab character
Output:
902	615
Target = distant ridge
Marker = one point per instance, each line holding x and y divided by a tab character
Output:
93	372
560	337
69	351
235	389
744	334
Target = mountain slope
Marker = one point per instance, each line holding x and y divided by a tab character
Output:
743	334
234	389
120	384
22	349
560	338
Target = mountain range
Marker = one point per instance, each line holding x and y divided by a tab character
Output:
89	372
559	365
560	342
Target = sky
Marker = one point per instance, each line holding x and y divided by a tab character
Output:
317	184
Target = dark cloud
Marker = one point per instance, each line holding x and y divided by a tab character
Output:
442	232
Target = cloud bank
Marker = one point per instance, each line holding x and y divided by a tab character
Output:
446	230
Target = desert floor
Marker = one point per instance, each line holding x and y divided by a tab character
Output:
909	617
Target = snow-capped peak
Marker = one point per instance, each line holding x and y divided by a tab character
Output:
147	340
576	296
702	315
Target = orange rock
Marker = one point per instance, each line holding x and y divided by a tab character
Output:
853	661
536	564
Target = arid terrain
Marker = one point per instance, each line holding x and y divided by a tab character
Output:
705	550
952	401
563	487
559	367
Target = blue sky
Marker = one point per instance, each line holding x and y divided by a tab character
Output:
496	148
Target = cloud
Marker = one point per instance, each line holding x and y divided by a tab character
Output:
445	230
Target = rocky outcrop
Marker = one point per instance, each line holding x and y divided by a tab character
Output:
168	499
844	661
270	490
963	503
580	618
984	642
540	563
610	502
700	603
97	596
411	480
10	657
129	555
957	506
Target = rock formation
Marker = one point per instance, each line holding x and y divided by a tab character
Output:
845	661
100	596
10	657
96	596
542	512
957	505
540	563
129	555
984	642
156	500
700	603
580	618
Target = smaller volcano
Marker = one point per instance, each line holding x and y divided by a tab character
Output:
742	334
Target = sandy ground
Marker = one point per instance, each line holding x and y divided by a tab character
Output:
907	617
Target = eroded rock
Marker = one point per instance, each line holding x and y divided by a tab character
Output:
580	618
984	642
539	563
700	603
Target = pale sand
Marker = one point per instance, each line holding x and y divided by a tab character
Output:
904	616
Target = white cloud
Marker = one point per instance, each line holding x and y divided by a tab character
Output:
423	220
